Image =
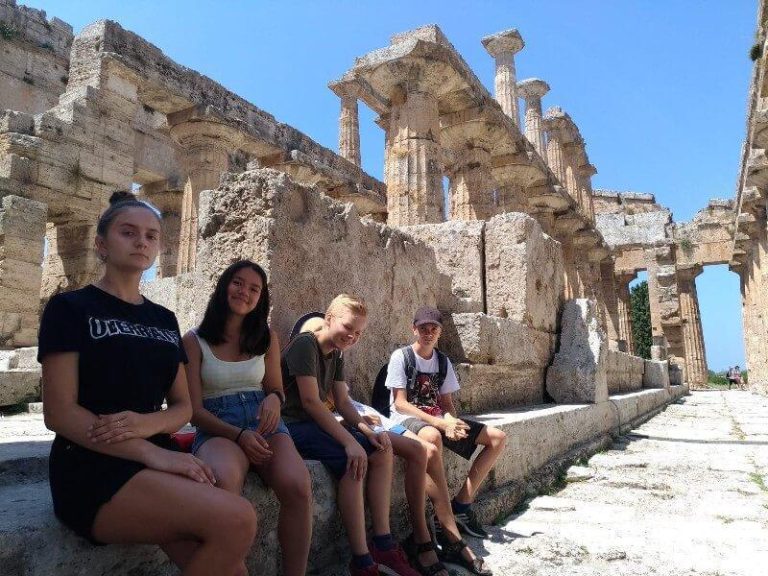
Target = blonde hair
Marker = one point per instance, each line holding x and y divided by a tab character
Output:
342	302
312	325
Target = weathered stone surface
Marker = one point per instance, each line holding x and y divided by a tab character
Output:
487	388
458	251
523	271
624	372
34	543
482	339
675	375
18	386
312	249
656	374
578	373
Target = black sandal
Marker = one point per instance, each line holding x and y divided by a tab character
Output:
413	549
451	552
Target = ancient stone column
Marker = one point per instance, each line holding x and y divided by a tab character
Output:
22	230
168	198
206	157
532	90
472	186
584	175
556	156
624	302
693	335
349	123
503	47
611	305
414	174
511	198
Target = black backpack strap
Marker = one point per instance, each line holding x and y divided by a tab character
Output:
442	366
410	367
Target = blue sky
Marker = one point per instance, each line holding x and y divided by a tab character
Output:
658	89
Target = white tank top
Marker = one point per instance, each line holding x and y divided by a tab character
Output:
220	378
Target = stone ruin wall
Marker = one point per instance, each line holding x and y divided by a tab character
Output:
644	236
34	67
520	239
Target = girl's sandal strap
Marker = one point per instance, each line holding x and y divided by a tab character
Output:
425	547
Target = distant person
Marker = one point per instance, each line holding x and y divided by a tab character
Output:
734	377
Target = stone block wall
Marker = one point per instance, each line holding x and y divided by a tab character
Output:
523	271
22	228
34	69
624	372
499	362
313	248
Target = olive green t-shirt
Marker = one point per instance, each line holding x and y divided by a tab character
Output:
303	357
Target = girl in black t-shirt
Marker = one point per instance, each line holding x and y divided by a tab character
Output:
110	358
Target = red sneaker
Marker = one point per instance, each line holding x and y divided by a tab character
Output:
392	562
372	570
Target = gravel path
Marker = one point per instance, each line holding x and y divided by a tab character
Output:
684	494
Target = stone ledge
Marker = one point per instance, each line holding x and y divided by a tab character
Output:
19	386
537	438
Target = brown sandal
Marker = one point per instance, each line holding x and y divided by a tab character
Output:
451	552
413	549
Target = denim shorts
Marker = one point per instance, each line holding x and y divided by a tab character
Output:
239	409
314	443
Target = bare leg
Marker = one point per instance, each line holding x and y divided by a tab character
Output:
351	507
437	486
288	476
158	508
379	490
493	442
415	455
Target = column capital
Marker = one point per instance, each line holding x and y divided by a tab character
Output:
346	88
532	88
508	42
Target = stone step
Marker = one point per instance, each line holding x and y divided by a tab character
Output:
18	386
33	543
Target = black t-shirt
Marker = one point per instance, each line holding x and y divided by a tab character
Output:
129	353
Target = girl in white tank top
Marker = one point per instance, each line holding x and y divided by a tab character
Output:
235	384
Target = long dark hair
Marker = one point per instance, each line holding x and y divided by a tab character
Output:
254	333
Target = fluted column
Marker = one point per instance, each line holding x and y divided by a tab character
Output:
503	47
413	173
556	156
206	157
693	336
533	90
349	121
611	304
511	198
167	197
624	302
472	186
584	175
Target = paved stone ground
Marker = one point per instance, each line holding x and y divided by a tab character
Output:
684	494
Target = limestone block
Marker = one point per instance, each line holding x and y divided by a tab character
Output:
675	375
12	121
523	271
22	218
314	248
624	372
19	386
578	373
486	388
482	339
656	374
458	251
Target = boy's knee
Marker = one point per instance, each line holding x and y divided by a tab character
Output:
296	488
498	438
432	451
381	458
432	435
